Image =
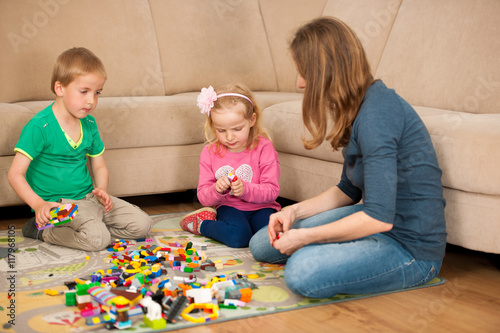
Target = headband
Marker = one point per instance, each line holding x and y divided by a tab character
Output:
208	96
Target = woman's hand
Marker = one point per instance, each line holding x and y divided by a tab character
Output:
291	241
104	199
280	222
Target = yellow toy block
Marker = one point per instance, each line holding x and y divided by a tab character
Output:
211	308
51	292
120	301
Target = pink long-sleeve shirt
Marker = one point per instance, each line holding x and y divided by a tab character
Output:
259	169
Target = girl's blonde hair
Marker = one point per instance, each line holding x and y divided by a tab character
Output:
227	102
332	61
75	62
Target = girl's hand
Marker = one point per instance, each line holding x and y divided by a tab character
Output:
238	187
222	185
280	222
42	212
291	241
104	199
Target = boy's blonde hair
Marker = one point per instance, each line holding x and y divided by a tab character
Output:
75	62
227	102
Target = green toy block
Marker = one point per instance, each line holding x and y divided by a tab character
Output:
70	298
156	324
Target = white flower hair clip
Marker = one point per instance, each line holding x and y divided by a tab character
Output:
208	96
206	100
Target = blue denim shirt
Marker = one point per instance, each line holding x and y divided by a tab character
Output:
390	164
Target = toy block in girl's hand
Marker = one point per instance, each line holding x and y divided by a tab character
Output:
60	215
232	177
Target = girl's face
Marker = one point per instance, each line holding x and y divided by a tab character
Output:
232	128
81	95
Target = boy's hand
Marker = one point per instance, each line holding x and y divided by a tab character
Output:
104	199
42	212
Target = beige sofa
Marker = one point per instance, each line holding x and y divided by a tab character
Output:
441	55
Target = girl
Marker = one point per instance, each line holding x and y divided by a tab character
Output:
239	169
396	238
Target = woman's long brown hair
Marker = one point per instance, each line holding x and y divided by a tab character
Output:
332	61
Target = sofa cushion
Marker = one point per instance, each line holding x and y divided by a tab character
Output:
7	195
284	123
467	148
281	20
453	48
372	24
268	98
199	45
139	171
147	121
34	33
12	120
464	143
303	177
371	20
150	121
472	220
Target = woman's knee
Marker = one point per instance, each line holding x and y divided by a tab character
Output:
258	245
306	276
296	277
302	282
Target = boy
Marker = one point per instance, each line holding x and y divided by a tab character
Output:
50	165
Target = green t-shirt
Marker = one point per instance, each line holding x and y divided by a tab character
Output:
58	167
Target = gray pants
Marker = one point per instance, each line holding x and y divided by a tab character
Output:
93	230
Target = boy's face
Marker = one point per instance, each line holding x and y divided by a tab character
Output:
81	95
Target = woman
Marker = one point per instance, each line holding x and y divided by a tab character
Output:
396	238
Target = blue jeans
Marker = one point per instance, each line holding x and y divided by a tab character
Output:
235	227
375	263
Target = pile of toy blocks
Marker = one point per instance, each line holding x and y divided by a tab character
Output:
137	283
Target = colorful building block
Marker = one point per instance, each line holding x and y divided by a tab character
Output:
60	215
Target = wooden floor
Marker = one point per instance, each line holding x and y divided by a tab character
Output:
468	302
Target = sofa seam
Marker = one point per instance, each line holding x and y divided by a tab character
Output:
157	47
269	47
396	15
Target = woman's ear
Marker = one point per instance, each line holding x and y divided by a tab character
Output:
58	89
